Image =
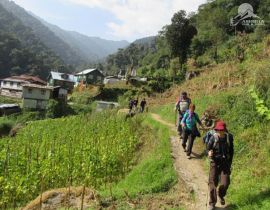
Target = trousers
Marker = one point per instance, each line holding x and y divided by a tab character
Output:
219	172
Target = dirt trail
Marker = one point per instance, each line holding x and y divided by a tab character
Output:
191	171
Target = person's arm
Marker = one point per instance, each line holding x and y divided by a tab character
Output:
183	121
231	149
210	146
177	105
198	120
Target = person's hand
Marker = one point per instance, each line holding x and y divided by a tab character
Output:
202	127
210	154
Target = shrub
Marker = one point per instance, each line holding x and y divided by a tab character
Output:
84	97
5	126
57	109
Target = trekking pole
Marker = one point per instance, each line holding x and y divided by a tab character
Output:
209	168
175	117
208	189
207	196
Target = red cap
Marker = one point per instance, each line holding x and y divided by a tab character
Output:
220	126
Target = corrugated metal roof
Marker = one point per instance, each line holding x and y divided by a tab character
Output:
25	78
14	80
59	76
87	71
8	106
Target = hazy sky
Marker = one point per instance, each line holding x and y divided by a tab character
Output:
110	19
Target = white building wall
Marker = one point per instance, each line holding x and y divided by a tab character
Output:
34	104
35	98
36	93
11	85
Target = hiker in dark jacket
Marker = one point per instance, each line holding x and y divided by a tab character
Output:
130	105
181	106
135	104
190	130
142	105
220	151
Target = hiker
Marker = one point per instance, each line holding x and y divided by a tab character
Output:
182	106
220	151
190	130
135	104
142	105
130	105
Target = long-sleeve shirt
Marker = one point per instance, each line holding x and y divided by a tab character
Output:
190	123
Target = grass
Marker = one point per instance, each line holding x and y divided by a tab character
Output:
249	189
5	126
166	112
153	174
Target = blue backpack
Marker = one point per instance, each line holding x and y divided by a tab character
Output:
207	136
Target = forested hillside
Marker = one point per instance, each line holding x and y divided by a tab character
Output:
47	37
74	48
21	51
90	49
213	40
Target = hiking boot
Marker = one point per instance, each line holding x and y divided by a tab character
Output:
188	157
222	201
184	147
211	207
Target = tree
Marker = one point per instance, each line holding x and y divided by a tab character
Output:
174	68
179	36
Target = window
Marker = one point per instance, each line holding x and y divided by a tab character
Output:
5	82
42	92
11	84
30	91
64	76
18	84
91	76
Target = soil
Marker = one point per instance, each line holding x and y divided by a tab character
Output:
191	171
63	197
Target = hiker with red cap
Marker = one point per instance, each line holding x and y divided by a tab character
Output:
220	151
190	130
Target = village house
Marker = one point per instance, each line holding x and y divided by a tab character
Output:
90	76
8	109
12	86
60	94
36	96
111	80
63	80
103	105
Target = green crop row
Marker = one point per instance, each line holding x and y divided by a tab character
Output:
87	150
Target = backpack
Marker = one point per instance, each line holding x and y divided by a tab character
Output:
183	105
211	133
207	136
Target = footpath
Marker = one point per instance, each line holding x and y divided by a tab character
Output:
190	171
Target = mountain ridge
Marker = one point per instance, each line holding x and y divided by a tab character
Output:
73	47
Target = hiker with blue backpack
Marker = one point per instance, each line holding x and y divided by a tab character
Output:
181	106
190	130
220	148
